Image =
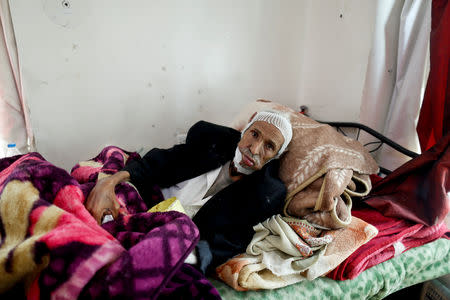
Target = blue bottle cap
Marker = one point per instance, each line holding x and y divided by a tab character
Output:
11	145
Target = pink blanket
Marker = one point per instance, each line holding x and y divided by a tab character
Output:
394	237
52	248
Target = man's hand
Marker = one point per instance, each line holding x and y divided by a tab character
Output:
102	199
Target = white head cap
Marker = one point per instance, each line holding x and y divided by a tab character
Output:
279	121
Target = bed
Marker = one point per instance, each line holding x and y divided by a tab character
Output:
52	248
417	265
414	266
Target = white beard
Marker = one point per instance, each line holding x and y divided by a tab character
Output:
237	159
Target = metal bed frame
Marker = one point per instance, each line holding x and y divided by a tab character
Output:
339	126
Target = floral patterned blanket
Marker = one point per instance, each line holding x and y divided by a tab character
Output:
52	248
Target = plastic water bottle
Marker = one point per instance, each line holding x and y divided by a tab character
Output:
12	150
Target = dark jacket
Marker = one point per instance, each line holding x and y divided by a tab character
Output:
226	221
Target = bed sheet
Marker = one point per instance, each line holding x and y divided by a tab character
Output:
414	266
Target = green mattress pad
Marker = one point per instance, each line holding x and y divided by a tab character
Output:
414	266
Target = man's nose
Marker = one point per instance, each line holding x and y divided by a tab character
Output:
255	147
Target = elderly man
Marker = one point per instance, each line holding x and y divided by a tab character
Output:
226	180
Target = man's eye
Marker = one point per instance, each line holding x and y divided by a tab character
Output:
254	134
270	147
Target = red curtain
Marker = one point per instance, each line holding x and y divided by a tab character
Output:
434	118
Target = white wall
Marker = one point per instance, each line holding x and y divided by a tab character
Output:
338	37
134	73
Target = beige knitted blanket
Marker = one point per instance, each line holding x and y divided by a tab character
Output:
286	250
323	170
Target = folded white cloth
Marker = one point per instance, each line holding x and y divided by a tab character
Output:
276	257
282	250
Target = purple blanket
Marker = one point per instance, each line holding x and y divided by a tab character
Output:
52	248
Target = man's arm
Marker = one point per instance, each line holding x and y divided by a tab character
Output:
102	199
207	147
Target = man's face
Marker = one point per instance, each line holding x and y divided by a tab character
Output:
259	143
